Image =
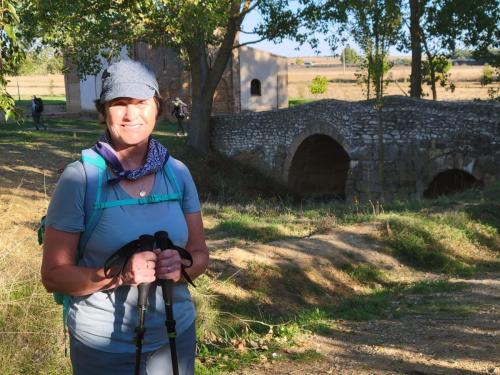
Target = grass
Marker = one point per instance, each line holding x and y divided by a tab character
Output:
292	102
247	312
47	100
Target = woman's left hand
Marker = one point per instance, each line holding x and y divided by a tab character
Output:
168	265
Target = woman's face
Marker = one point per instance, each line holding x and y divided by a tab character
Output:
130	121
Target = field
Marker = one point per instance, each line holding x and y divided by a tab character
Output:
23	87
343	85
292	287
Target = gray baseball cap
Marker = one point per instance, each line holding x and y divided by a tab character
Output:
128	79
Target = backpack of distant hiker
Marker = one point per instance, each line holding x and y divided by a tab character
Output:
95	202
39	105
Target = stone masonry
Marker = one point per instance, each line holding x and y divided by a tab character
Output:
394	152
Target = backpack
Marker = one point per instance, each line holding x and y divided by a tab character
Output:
38	105
95	202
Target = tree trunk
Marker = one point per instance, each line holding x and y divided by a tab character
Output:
205	76
202	99
199	122
416	50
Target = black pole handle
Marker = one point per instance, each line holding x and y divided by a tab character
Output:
146	243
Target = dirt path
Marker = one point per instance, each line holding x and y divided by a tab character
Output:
422	344
461	336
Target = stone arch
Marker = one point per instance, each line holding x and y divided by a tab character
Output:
451	181
317	163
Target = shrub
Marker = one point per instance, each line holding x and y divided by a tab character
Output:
487	77
318	85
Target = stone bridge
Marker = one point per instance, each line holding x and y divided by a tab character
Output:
407	149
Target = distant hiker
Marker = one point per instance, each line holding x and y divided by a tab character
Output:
36	112
180	112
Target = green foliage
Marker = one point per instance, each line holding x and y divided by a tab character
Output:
375	25
488	75
371	73
474	23
462	54
11	56
441	65
318	85
366	274
350	55
44	61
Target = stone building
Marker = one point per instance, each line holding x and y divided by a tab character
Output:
254	80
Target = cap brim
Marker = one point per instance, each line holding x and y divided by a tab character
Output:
139	91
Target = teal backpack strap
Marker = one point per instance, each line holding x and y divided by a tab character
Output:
95	176
95	172
171	177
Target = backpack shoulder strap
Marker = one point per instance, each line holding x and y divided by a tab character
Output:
172	178
95	172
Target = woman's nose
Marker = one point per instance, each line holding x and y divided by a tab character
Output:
131	111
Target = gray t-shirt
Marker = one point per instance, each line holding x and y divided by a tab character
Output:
106	320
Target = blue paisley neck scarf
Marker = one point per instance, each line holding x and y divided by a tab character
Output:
156	158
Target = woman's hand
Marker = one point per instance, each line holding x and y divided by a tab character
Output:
168	265
140	269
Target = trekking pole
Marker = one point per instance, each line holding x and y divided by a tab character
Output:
164	242
146	243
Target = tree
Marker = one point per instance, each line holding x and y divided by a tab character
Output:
10	56
41	61
203	32
351	56
318	85
437	26
437	70
374	25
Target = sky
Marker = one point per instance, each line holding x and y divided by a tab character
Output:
290	48
286	47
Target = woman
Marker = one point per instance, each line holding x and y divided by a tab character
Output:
102	313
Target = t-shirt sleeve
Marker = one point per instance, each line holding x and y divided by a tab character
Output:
190	199
66	209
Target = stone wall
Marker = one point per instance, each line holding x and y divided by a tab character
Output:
394	152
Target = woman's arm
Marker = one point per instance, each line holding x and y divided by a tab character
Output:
168	266
60	274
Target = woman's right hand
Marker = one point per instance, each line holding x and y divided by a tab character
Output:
139	269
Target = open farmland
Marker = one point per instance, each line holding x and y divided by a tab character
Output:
343	85
41	85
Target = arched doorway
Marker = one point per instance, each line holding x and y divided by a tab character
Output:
451	181
319	168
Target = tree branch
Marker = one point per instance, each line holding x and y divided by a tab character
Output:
247	43
247	8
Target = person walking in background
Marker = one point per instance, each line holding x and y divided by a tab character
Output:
180	112
36	112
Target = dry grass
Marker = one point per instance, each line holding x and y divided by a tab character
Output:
343	85
26	86
30	325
